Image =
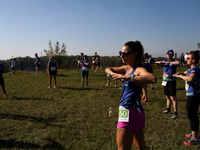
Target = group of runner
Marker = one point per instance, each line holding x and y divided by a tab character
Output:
135	75
84	63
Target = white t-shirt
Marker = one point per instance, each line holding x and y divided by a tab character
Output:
186	56
12	63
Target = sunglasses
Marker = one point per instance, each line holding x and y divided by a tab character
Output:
125	54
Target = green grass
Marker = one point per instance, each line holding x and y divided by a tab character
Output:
70	117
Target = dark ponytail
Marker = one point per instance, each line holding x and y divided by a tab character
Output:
195	55
136	47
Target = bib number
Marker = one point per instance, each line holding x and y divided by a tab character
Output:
123	114
53	68
164	83
125	83
38	62
186	85
109	76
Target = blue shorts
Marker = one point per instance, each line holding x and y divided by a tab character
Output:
84	73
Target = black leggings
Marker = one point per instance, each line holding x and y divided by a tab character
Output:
192	106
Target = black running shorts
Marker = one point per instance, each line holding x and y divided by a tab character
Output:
170	88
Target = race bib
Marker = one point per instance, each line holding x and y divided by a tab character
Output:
109	76
125	83
38	62
93	61
186	85
53	68
164	83
123	114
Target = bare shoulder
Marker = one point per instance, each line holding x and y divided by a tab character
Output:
140	70
120	69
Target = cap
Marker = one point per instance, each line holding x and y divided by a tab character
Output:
170	51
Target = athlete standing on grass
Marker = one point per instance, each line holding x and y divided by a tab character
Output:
85	70
108	80
37	63
52	70
169	82
131	114
12	66
2	80
192	79
94	61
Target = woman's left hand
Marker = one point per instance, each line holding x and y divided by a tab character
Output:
120	77
176	75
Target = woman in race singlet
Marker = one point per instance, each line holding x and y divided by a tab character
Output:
52	70
85	70
192	86
37	63
131	119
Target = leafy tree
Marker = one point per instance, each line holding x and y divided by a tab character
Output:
59	53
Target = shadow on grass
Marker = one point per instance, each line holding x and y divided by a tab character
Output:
61	75
181	100
150	100
98	75
182	88
31	119
25	145
24	98
82	88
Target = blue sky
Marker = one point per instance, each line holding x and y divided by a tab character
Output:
101	26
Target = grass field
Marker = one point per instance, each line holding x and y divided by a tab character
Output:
72	118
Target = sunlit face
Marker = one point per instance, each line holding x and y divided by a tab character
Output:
127	55
170	56
189	60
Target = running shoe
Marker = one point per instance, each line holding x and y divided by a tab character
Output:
166	111
191	142
49	86
174	116
5	96
190	135
152	88
54	86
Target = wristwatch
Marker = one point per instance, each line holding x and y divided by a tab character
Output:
132	77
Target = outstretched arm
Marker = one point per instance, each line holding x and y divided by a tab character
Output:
112	70
140	77
189	78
